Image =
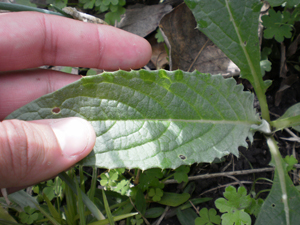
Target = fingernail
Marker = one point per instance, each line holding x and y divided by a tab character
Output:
74	135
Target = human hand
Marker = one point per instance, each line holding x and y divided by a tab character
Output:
34	151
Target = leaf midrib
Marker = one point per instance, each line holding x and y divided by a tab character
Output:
251	66
201	121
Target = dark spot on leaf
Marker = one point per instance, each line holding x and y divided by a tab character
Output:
182	157
273	205
56	110
245	43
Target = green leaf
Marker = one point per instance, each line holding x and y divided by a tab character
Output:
291	161
25	2
107	209
265	65
140	201
114	2
91	72
181	174
274	3
174	199
233	207
113	8
273	210
106	2
150	178
255	207
146	119
159	37
154	212
208	217
277	25
292	3
111	17
5	215
89	4
137	221
29	215
232	26
156	194
186	217
291	118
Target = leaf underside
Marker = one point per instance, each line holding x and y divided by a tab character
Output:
145	119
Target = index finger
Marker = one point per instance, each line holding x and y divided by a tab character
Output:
30	39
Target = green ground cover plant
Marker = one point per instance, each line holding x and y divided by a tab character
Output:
157	123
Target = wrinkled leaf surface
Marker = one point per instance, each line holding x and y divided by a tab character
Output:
145	119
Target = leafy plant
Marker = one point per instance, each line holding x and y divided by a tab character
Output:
181	174
234	206
30	215
159	37
114	7
155	194
290	161
137	221
207	217
278	25
58	3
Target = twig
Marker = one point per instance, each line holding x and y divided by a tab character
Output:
162	216
294	138
198	55
233	183
237	180
233	173
225	167
145	220
197	211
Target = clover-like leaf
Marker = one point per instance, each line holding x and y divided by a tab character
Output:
156	194
278	25
208	217
109	179
137	221
122	187
115	15
29	215
181	174
233	208
254	207
145	119
150	178
291	161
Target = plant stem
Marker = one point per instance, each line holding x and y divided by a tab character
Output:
262	102
18	8
256	74
280	170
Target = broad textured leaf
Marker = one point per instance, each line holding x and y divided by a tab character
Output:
274	3
146	119
272	210
233	26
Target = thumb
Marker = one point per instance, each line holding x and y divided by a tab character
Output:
38	150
